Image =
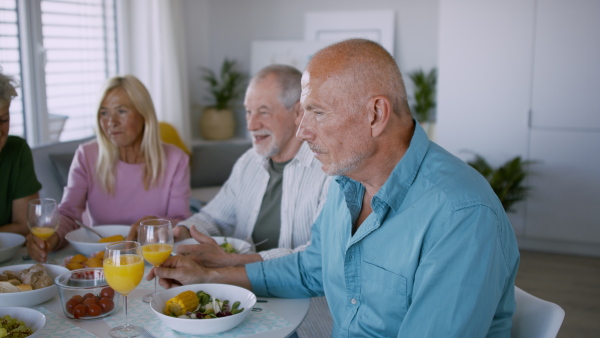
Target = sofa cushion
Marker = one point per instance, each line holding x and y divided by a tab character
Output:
52	185
212	161
62	164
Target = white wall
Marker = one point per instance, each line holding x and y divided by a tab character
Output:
495	56
226	28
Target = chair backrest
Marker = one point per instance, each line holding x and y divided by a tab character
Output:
168	134
535	317
52	163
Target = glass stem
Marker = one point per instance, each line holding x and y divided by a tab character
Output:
126	324
155	282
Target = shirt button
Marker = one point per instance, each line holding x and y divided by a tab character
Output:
353	301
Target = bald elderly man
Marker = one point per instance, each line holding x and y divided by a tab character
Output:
411	242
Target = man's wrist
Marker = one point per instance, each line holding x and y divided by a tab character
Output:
182	227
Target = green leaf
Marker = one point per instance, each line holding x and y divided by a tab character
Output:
507	181
228	86
424	94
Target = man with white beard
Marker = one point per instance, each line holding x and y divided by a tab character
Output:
276	189
274	194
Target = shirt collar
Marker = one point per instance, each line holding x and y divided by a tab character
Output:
402	177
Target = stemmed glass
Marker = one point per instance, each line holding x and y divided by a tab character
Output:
156	238
124	269
42	217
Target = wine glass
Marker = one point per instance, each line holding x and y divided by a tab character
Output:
42	217
123	270
156	238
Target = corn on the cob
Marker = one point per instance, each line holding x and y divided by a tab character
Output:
115	238
180	304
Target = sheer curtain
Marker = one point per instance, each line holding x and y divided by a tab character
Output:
153	49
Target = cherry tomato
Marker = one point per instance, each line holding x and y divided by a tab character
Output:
90	301
107	293
94	310
79	311
77	298
71	304
88	295
107	304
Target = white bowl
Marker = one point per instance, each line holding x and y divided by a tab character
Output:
205	326
33	297
86	243
33	319
239	245
9	245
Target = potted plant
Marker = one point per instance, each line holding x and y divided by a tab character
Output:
424	101
217	121
507	180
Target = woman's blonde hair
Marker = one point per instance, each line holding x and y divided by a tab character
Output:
151	148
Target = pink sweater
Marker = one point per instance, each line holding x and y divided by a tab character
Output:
130	202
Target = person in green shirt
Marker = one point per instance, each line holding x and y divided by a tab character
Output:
18	183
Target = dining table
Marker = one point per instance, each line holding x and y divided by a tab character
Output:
272	317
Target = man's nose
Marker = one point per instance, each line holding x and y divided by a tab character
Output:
252	122
304	132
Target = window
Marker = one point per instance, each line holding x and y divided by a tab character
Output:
9	60
61	51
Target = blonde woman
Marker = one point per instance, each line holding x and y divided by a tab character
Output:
18	183
126	174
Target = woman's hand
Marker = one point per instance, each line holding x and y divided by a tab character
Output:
133	232
38	249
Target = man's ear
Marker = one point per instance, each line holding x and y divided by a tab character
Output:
379	110
298	113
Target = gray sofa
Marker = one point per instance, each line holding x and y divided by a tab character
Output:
211	165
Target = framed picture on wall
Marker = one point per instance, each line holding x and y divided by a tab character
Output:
294	53
336	26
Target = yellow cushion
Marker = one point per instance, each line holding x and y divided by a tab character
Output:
168	134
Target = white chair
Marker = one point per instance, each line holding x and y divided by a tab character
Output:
535	317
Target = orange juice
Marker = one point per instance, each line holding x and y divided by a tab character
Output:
157	253
125	273
42	232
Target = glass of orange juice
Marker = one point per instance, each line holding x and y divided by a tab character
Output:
156	238
42	217
123	269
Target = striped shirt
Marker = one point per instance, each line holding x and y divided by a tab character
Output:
234	210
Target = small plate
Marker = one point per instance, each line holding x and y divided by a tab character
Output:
239	245
86	243
9	245
33	319
205	326
33	297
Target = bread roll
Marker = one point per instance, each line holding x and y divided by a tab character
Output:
6	287
36	276
24	287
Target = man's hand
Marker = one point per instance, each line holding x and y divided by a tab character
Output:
133	232
180	233
178	270
207	253
38	249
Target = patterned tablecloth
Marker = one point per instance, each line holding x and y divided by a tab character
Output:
139	313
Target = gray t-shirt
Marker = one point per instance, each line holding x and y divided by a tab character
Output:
268	222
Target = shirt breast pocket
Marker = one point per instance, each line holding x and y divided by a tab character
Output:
383	291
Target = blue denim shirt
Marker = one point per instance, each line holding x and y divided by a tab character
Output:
437	257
